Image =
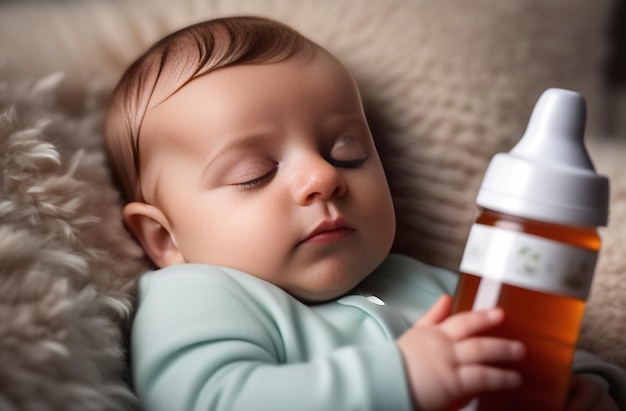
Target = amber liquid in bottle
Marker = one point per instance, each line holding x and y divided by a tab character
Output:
547	324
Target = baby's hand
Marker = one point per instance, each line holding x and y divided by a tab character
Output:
585	395
447	364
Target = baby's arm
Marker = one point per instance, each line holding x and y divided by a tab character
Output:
586	395
596	385
206	338
447	364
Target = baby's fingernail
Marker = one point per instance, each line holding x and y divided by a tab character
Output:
518	349
495	314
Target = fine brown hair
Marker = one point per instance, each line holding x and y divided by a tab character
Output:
172	63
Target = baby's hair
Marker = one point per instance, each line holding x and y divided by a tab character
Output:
173	62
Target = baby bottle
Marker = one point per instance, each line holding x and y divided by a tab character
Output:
533	249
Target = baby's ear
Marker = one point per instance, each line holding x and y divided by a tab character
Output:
151	228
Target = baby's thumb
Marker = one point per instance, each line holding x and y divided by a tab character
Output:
438	312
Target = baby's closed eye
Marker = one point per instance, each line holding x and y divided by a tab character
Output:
348	151
251	173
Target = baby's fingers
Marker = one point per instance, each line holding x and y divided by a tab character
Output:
475	379
438	312
488	350
468	323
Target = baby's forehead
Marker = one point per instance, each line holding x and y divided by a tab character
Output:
171	77
253	94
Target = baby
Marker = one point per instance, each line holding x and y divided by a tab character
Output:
253	183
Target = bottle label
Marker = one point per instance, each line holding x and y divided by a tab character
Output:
529	261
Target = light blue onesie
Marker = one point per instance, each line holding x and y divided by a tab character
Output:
212	338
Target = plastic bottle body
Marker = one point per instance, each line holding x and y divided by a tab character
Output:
547	322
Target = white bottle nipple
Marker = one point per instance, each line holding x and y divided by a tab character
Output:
548	176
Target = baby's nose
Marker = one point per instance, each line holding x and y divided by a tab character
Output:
317	180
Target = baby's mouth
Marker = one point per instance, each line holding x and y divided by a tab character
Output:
329	231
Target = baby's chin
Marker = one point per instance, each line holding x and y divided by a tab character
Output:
320	295
332	281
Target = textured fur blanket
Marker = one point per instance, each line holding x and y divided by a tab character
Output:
446	84
66	263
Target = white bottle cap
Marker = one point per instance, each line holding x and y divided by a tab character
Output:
548	176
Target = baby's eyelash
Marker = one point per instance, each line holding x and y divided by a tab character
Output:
257	181
349	163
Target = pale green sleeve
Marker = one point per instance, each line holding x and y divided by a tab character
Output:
609	376
202	342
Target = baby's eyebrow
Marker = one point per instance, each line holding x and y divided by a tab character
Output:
238	144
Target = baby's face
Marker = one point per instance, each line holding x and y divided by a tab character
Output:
271	169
